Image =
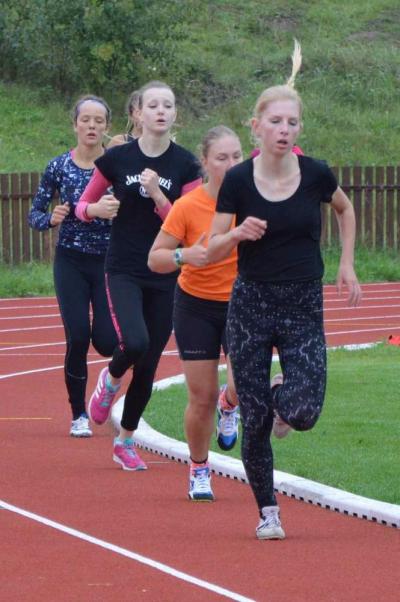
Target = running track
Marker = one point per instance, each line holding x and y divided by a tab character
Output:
74	527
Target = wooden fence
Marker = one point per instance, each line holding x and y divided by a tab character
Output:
374	191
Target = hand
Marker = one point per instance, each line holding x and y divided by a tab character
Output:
252	228
149	181
347	276
59	214
196	254
106	207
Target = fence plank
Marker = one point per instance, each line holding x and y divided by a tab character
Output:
36	236
25	206
380	208
357	203
16	218
391	221
5	218
374	192
368	200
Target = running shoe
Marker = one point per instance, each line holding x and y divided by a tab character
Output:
280	428
200	483
126	455
227	422
100	403
80	427
270	526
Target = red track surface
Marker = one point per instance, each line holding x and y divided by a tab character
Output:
326	556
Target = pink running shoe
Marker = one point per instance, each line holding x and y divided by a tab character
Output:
101	400
279	428
126	455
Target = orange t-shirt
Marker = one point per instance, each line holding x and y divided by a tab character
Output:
189	217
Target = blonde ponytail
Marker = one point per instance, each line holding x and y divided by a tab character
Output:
296	64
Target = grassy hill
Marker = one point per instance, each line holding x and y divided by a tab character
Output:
232	50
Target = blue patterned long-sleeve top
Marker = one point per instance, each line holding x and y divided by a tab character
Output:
64	176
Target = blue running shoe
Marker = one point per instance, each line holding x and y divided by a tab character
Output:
227	423
200	483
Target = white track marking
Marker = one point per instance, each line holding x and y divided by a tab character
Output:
28	346
27	307
362	307
154	564
369	318
31	328
50	368
34	317
383	329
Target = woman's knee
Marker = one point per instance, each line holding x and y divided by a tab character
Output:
136	347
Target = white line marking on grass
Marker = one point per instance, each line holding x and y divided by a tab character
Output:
154	564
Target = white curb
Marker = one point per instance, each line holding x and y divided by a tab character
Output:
286	484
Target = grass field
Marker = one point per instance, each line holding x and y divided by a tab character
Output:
355	444
36	279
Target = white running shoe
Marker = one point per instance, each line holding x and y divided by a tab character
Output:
270	526
227	422
80	427
200	483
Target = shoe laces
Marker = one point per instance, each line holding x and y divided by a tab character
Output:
108	396
129	449
229	421
202	479
270	520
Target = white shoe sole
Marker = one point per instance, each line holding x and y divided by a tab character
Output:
119	461
276	533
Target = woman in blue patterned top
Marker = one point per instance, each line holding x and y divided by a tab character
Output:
80	252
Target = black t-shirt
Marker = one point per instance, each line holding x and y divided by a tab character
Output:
136	225
289	249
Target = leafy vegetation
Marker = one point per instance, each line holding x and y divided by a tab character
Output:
217	55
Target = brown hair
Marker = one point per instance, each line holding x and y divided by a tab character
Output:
211	136
153	84
77	106
132	104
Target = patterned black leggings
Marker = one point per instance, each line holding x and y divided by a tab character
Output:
287	316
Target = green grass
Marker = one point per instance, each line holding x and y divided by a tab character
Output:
26	280
36	279
355	444
228	54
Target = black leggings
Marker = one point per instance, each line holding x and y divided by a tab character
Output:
142	315
79	283
289	317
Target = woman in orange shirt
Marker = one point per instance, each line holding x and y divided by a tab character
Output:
200	307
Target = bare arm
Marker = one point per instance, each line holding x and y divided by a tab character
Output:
223	240
343	208
161	256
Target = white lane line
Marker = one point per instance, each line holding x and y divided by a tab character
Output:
5	299
342	300
27	307
35	317
369	318
26	329
27	346
50	368
383	329
361	307
154	564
